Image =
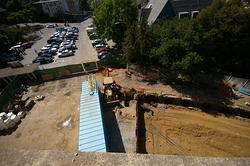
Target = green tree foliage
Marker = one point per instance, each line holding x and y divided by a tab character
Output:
21	16
10	35
84	5
18	11
113	16
95	4
225	29
137	43
218	40
175	45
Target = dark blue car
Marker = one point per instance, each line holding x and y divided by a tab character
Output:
43	60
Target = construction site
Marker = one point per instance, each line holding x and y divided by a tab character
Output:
120	111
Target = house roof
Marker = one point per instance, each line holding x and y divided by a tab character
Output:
157	6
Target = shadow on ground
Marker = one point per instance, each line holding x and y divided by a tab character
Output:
115	143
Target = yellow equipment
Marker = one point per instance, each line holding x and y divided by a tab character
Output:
110	89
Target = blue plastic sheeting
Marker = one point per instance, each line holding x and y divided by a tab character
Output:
91	130
243	92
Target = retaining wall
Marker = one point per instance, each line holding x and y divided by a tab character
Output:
53	73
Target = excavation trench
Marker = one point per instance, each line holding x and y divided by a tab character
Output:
180	126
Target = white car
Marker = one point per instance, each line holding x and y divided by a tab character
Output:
61	49
65	53
45	48
96	40
90	28
50	26
98	46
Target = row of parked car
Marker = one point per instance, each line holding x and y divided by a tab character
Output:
61	43
14	53
100	45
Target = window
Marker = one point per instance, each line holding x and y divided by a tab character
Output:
183	15
194	14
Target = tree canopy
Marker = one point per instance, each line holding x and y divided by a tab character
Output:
18	11
218	41
225	29
112	17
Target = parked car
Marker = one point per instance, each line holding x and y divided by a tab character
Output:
51	26
38	27
90	28
46	55
27	45
60	29
98	46
72	37
43	60
75	29
65	53
101	54
18	48
51	51
101	50
45	48
93	36
96	42
54	40
106	55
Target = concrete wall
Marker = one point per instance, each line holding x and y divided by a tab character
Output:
46	157
54	73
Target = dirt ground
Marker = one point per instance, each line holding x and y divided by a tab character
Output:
180	90
178	130
43	127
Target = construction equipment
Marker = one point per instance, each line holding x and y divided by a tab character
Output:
111	90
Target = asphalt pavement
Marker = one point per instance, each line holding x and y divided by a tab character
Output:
85	52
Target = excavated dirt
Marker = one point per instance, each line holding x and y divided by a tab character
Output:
177	130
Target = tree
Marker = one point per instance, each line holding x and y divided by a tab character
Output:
137	43
94	4
175	45
112	17
4	42
84	5
225	31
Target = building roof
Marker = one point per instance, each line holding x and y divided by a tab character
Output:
7	72
91	127
157	6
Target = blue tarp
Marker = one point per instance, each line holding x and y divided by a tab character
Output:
243	92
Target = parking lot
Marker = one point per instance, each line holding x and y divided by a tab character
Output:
84	52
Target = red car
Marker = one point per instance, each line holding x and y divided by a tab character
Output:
27	45
101	50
